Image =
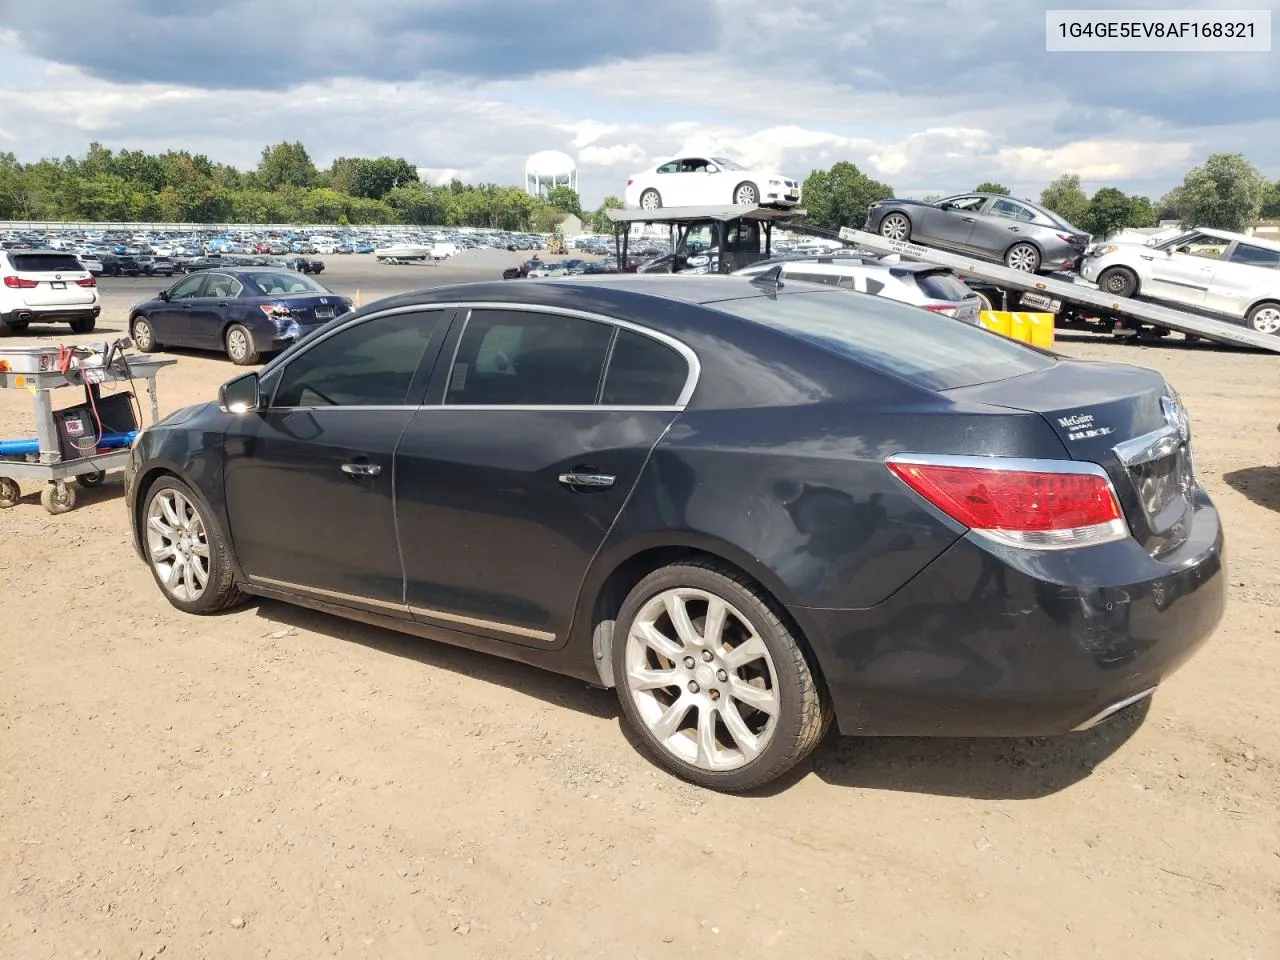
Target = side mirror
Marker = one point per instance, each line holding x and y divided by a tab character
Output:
946	206
240	395
163	294
712	168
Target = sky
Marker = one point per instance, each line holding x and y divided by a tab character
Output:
929	96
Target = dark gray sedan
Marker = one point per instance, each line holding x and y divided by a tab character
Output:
1016	233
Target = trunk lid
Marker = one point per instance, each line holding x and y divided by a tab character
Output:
1127	420
312	310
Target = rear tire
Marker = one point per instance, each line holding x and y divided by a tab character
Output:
651	200
664	662
1024	257
58	498
239	344
10	493
84	325
1265	317
1118	282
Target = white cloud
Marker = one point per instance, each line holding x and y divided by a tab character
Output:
629	154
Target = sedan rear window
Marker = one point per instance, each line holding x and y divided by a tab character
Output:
45	263
925	348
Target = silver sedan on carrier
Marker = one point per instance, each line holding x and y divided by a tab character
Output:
994	227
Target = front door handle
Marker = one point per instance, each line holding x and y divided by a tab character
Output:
1015	229
967	219
590	481
362	469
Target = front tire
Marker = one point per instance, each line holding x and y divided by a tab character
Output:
896	226
186	550
239	344
651	200
713	681
1118	282
1265	318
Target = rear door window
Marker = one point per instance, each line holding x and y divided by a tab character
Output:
525	358
45	263
924	348
1247	253
643	373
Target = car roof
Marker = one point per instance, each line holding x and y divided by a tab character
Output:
1228	236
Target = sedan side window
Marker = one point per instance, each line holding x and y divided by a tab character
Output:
222	286
518	358
968	204
369	364
669	167
643	373
188	288
1014	211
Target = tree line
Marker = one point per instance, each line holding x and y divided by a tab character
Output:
1226	192
287	187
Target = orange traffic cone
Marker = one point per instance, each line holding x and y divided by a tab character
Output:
359	302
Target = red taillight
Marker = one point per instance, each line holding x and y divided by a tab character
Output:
87	282
944	308
1072	238
1040	508
20	283
630	181
274	309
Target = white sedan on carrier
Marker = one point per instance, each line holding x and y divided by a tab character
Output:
708	181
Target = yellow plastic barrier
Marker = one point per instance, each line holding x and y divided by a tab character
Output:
1033	328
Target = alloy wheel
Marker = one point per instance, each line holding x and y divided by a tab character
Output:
178	545
745	195
237	345
1267	320
702	679
142	334
894	227
650	200
1023	257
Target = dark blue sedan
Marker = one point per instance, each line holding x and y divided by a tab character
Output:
244	312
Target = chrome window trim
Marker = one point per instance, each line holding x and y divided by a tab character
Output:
312	342
497	626
691	357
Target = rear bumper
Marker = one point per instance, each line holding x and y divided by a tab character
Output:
992	642
51	313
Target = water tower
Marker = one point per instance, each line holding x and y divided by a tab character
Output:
548	169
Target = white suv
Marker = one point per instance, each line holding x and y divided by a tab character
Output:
46	286
1215	270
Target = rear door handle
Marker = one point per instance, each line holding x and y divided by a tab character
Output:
967	219
1015	229
590	481
362	469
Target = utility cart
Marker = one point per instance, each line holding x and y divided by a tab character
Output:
81	441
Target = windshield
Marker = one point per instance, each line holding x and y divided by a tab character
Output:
930	350
286	281
724	164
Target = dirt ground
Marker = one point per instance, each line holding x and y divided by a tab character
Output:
279	783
